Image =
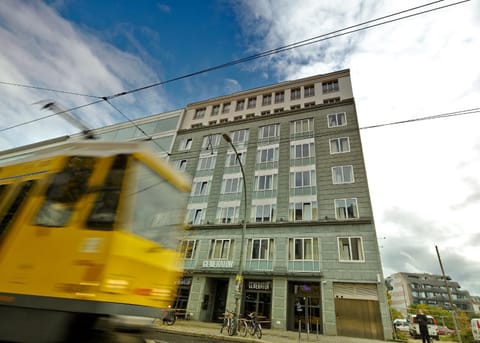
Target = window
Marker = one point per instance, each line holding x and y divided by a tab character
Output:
295	93
309	91
269	131
267	99
220	249
339	145
331	100
196	216
301	126
226	107
231	185
239	136
303	249
303	211
330	86
232	160
278	110
252	102
342	174
185	144
206	162
309	104
181	165
249	115
264	182
295	107
346	208
15	203
337	119
300	179
350	249
211	141
212	122
269	154
279	97
301	150
200	188
265	113
264	213
227	215
199	113
224	120
196	126
260	249
188	248
238	118
240	105
215	110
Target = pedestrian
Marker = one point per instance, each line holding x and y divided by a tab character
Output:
422	321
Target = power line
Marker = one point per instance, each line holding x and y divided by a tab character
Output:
48	89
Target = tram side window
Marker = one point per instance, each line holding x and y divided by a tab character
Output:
8	215
104	212
64	191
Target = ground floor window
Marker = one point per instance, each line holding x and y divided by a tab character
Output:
258	299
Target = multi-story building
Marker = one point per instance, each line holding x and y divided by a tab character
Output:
408	289
309	241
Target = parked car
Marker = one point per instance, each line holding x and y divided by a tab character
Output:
414	328
401	325
443	330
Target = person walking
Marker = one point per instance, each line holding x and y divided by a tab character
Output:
422	321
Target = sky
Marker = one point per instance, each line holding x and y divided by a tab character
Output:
423	174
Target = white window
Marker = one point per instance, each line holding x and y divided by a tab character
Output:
240	105
199	113
185	144
350	249
330	86
301	126
181	165
295	93
228	214
220	249
215	110
269	131
303	211
300	179
206	162
232	159
301	150
342	174
264	213
346	208
188	248
252	102
267	99
211	141
279	97
200	188
196	216
240	136
269	154
226	107
309	91
265	182
260	249
303	249
231	185
339	145
337	119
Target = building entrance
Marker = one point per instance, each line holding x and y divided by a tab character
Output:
304	307
219	299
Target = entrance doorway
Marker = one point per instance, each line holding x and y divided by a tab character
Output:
219	297
304	307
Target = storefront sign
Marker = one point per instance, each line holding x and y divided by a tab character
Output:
259	285
217	264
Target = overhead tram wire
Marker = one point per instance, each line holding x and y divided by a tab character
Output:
316	39
49	89
309	41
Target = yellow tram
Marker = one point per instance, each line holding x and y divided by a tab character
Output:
87	230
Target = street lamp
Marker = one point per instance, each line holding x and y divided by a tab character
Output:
239	277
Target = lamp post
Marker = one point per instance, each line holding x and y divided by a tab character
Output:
239	277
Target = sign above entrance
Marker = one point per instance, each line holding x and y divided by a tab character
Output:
217	264
259	285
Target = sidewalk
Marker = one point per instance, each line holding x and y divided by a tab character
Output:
212	330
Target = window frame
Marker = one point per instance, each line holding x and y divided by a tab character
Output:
360	250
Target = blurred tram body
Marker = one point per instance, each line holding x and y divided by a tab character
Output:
87	230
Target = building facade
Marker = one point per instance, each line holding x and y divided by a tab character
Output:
408	289
309	245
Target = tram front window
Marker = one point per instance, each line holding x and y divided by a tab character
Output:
158	208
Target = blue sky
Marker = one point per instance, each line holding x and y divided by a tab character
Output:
423	176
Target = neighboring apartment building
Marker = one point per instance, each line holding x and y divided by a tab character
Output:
310	236
412	289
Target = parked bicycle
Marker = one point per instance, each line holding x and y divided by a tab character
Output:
229	323
168	317
253	325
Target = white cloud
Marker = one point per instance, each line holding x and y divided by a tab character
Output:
412	68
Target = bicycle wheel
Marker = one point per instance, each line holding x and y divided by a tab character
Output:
258	330
251	328
242	328
232	328
171	318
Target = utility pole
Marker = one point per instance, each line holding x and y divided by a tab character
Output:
454	311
